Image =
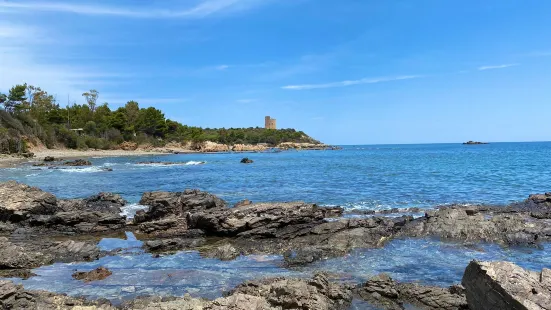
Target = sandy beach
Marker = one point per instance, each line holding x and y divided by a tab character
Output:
11	161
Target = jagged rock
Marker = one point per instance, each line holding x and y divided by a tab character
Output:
261	219
19	201
78	163
71	251
83	222
163	204
316	293
14	297
34	253
246	161
383	291
504	286
472	225
13	256
94	275
102	202
225	252
174	244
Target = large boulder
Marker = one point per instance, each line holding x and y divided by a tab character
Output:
164	204
19	201
506	286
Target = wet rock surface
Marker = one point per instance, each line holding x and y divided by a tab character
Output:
77	163
504	285
505	226
386	293
19	201
94	275
246	161
317	293
14	297
163	204
34	253
304	233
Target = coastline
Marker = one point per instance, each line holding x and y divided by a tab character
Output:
7	161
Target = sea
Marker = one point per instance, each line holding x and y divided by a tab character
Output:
357	177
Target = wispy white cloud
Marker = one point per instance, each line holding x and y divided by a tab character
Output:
245	100
22	61
222	67
201	9
497	67
350	82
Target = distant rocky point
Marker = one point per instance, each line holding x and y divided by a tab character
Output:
474	142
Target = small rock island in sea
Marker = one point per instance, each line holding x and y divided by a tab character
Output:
474	143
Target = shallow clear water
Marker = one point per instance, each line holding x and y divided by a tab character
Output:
428	261
135	273
368	177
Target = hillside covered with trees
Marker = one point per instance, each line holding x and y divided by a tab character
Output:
32	115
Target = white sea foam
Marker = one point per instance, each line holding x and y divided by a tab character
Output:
32	175
160	164
130	210
82	170
194	163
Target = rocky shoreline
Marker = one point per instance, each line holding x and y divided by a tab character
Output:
302	233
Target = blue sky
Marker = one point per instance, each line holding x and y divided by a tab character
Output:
346	72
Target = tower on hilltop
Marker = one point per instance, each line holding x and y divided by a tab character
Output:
270	123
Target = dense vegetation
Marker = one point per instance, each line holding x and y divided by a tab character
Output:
31	114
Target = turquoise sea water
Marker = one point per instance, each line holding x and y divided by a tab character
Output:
367	177
364	177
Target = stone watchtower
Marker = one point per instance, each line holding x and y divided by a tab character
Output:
269	123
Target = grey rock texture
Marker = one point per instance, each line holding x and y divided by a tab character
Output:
505	286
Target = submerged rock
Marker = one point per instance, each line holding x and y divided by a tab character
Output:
506	286
94	275
383	291
224	252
